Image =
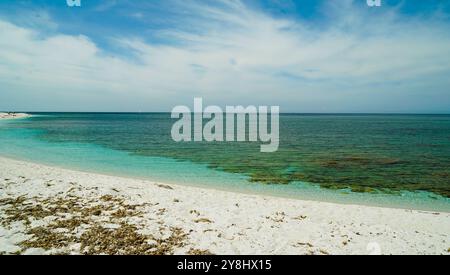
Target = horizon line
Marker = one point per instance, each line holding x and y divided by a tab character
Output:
282	113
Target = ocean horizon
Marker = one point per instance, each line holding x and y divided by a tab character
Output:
281	113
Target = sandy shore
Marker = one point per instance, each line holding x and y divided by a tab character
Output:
47	210
13	115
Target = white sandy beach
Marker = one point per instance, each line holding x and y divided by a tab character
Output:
13	115
47	210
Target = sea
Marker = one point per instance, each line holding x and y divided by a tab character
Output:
383	160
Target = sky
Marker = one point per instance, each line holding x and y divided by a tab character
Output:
306	56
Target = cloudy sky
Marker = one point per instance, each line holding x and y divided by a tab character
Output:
304	55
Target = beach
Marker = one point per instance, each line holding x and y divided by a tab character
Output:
50	210
13	115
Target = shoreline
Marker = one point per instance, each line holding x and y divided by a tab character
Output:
11	115
180	219
264	193
233	190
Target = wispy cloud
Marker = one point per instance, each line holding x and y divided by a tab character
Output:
228	52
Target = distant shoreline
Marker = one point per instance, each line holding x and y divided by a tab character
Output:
11	115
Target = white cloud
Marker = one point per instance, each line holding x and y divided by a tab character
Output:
232	54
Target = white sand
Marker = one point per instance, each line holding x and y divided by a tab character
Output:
13	115
222	222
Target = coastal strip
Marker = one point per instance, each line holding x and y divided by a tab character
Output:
49	210
11	115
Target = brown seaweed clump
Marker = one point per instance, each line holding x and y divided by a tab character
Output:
126	240
194	251
65	223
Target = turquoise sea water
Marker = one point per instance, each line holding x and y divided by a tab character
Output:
388	160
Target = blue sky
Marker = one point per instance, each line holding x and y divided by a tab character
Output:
305	55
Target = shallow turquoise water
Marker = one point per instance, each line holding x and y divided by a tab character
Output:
139	145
